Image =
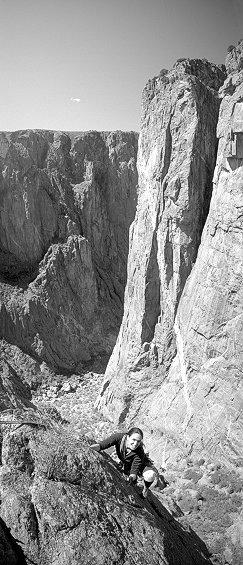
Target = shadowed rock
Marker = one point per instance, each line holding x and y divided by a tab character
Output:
10	552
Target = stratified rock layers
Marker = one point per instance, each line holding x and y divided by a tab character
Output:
67	201
177	364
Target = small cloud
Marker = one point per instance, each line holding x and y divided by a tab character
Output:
75	100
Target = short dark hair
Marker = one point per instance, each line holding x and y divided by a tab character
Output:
135	431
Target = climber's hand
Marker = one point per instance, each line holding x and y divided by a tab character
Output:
132	479
95	446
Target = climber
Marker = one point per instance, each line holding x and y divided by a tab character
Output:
130	451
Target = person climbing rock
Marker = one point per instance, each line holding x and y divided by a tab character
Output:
129	449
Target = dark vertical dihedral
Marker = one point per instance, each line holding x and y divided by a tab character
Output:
151	295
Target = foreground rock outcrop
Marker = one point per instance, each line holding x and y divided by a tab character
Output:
67	201
66	504
10	552
177	364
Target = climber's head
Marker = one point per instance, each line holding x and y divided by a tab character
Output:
134	438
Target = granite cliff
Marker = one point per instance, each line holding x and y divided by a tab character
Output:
177	364
67	201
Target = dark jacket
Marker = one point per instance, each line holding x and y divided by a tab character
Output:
133	460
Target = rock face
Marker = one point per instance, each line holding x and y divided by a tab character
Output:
180	343
13	393
10	552
67	504
67	201
234	59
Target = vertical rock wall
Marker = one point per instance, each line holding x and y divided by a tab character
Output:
66	204
178	344
203	395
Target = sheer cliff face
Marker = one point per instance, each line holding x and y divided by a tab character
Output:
67	201
177	364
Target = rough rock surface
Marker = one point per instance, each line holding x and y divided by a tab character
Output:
176	159
191	368
234	59
66	204
13	393
203	495
10	552
30	371
206	373
67	504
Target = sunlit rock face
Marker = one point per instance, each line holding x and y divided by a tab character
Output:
208	408
67	201
68	504
177	366
234	59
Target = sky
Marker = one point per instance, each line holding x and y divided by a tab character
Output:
78	65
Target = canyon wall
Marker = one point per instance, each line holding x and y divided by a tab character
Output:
176	369
66	203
